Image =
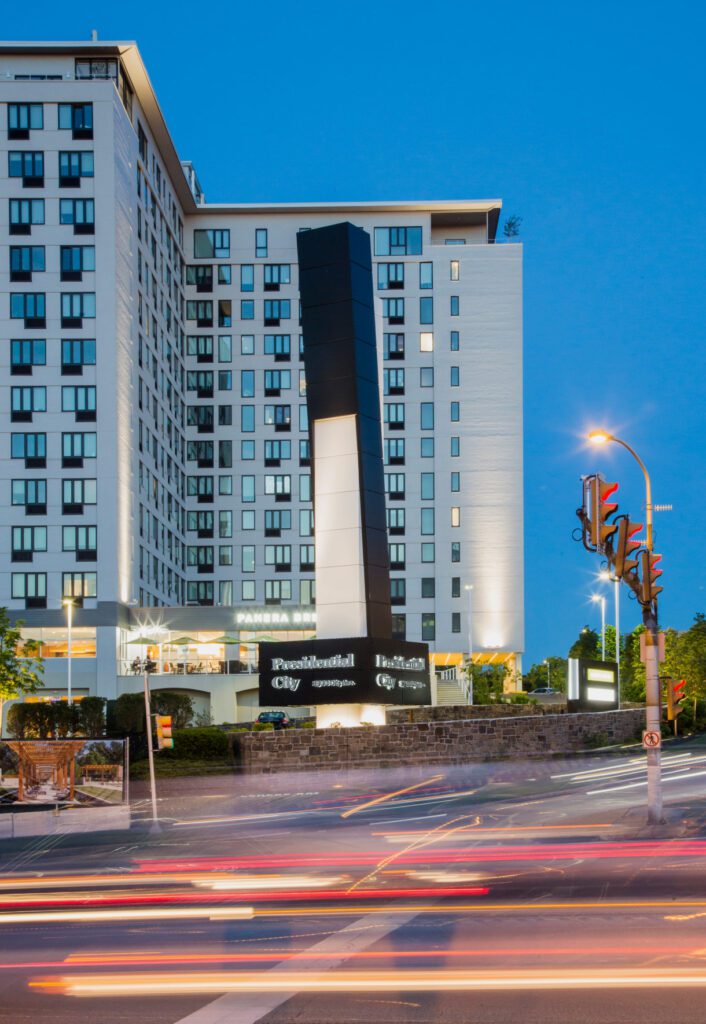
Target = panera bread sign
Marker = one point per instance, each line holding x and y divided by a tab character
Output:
350	671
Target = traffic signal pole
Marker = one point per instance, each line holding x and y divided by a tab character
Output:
653	714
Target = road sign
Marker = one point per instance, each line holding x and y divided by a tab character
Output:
651	739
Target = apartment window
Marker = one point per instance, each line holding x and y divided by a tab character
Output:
393	310
77	306
394	451
427	523
247	489
304	453
397	556
306	522
225	456
395	486
428	626
26	260
261	242
201	310
426	377
26	540
24	213
78	118
77	493
24	402
26	353
306	557
305	487
73	166
427	486
426	415
276	451
225	380
276	310
279	485
82	540
398	591
279	416
455	412
79	212
225	348
200	381
247	309
455	622
225	415
247	451
224	274
200	487
225	554
201	277
101	69
201	417
248	590
393	346
303	419
30	447
276	274
454	341
78	585
28	165
428	552
199	592
280	556
247	277
200	556
455	270
225	522
277	591
455	482
399	627
201	452
247	419
225	313
454	305
278	345
77	353
455	551
390	275
427	447
455	447
394	415
428	587
395	521
200	346
455	586
426	275
276	381
247	383
426	342
393	382
75	447
23	118
455	516
30	587
201	523
32	494
75	259
426	310
80	400
398	241
212	244
455	377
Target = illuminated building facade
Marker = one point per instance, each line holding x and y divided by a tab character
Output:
155	455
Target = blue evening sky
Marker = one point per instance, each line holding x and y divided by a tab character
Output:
586	119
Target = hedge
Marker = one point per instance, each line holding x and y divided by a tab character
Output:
200	744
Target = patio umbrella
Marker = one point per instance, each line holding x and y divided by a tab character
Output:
225	639
183	640
144	641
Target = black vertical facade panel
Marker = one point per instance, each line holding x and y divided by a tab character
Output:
340	359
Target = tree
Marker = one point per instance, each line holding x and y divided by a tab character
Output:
587	645
179	705
92	716
543	674
488	681
20	673
129	713
511	227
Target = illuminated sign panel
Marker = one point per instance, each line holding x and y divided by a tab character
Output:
593	685
289	618
352	670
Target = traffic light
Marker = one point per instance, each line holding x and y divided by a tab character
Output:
601	510
675	696
625	546
164	732
650	574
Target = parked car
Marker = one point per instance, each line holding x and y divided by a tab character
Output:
279	719
544	690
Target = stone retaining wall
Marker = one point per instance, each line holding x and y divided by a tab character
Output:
451	712
428	743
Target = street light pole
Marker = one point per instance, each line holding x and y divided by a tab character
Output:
653	710
469	692
598	597
549	672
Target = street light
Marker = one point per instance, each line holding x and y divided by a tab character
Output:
605	577
469	692
653	709
596	598
549	672
68	603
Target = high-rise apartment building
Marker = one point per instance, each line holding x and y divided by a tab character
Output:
154	448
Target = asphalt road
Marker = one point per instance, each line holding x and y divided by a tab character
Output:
518	892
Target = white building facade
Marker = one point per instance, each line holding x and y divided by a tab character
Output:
155	455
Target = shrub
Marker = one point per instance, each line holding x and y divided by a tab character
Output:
129	713
199	744
263	727
91	714
307	725
169	768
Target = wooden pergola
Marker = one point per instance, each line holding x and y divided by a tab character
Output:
42	761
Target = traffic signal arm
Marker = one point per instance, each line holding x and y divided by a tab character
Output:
601	510
675	697
625	546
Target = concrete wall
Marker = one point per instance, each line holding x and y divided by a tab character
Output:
450	742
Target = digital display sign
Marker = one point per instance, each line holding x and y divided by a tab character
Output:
353	670
593	685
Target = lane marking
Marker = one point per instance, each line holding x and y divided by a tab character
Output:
389	796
